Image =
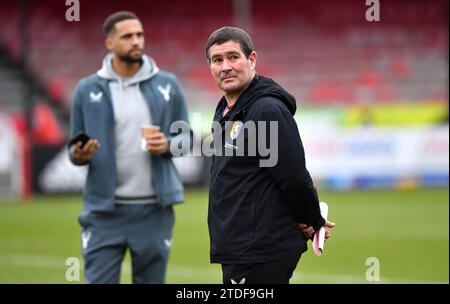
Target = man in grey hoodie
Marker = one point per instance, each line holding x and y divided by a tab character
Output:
129	191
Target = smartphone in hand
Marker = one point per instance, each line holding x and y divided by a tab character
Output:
83	137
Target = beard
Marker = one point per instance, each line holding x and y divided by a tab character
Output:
128	58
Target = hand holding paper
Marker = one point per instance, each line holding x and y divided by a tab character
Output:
319	236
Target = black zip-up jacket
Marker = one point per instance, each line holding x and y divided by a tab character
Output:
254	211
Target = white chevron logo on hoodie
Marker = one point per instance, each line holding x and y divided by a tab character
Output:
165	91
240	282
168	243
96	97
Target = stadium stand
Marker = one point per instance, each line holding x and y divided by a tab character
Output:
325	53
332	54
63	52
12	86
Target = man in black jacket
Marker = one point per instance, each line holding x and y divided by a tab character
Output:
262	207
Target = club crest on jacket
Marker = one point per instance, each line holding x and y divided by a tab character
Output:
237	125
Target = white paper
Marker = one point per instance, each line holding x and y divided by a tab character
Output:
319	236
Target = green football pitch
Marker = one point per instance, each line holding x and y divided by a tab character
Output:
405	232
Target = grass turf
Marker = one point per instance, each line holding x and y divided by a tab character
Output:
406	230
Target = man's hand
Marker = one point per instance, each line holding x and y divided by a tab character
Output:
83	155
328	224
157	143
308	231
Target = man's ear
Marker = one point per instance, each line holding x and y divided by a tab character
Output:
252	59
109	43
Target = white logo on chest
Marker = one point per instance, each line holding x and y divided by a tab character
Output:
168	243
165	91
96	97
240	282
85	237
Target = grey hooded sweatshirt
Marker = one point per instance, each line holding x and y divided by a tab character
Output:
134	181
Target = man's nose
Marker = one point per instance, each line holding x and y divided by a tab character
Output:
135	40
226	66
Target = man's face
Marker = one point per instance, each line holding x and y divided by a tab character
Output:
127	41
231	70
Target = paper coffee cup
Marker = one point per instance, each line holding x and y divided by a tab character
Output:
146	130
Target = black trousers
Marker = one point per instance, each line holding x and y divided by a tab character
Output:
276	272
